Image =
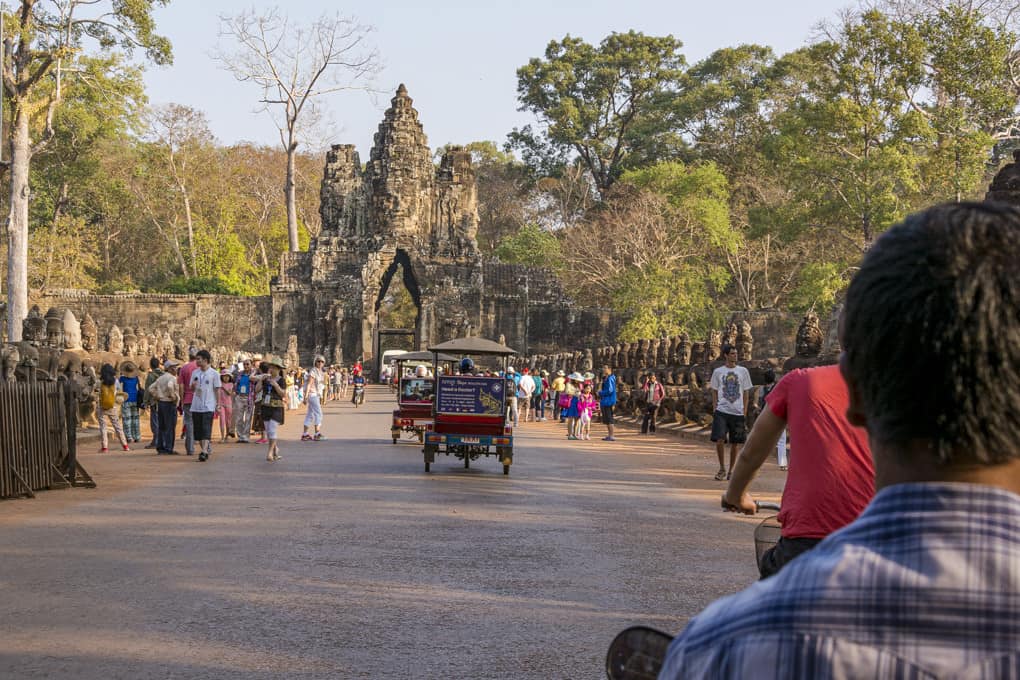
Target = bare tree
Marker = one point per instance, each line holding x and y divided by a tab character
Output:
294	66
45	37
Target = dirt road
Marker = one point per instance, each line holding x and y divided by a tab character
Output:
347	560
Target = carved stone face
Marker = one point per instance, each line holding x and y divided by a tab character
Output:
809	337
115	342
33	329
130	344
72	331
89	334
713	346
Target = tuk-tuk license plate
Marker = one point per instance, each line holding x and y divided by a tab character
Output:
470	440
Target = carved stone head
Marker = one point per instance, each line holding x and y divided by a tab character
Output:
809	336
713	346
130	342
89	334
55	328
72	331
744	342
33	328
683	350
115	340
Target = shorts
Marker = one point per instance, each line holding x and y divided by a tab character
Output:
201	424
728	427
607	415
271	426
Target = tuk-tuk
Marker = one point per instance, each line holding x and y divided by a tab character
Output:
415	393
469	412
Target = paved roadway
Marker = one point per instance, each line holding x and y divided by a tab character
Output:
347	560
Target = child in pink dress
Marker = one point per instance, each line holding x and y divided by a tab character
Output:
586	404
225	405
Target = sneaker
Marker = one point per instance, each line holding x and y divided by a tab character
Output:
318	437
306	437
784	468
150	446
202	457
262	441
125	447
103	450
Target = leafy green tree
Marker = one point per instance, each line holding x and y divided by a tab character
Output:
599	103
44	45
532	246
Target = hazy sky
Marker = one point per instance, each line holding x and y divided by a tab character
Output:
458	58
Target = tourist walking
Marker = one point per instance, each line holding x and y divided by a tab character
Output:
654	393
586	404
512	407
272	395
205	381
130	410
184	380
335	376
315	383
149	402
243	402
540	395
572	413
111	396
607	401
525	390
558	386
166	395
225	406
731	390
257	424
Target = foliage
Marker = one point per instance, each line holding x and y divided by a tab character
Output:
601	103
531	246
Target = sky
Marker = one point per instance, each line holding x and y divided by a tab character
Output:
457	58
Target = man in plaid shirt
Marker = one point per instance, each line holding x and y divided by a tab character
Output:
926	582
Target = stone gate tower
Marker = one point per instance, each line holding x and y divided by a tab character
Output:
397	210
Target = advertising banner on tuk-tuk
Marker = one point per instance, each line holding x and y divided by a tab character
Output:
470	396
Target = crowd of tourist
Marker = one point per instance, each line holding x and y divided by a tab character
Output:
248	399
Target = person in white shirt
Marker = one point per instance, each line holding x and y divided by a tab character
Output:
525	388
205	381
315	382
731	391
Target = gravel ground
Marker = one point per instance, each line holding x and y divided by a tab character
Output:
346	560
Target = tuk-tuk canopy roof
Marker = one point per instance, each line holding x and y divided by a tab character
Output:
424	357
473	346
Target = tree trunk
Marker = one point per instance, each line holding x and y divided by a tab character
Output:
58	212
17	225
289	192
191	232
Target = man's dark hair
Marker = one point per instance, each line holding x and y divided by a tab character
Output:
204	355
726	349
154	363
931	332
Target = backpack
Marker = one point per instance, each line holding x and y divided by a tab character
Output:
107	396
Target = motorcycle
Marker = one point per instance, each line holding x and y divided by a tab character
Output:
359	395
638	652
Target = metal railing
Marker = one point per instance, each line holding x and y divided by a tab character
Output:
38	438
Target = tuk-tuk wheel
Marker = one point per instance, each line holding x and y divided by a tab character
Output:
426	466
467	460
506	469
394	440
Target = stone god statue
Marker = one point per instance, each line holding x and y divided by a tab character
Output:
730	335
130	342
697	352
713	346
143	342
744	341
683	350
588	362
33	328
72	331
115	340
89	334
10	357
809	337
54	328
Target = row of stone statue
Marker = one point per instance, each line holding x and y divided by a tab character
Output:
677	351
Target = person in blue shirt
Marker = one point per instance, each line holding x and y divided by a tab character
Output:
926	581
244	402
607	400
129	410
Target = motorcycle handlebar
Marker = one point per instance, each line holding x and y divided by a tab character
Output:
766	505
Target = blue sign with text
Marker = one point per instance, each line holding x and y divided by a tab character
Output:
467	396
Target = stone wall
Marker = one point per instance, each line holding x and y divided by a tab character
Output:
215	320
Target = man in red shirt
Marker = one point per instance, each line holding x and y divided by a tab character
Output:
831	477
187	395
